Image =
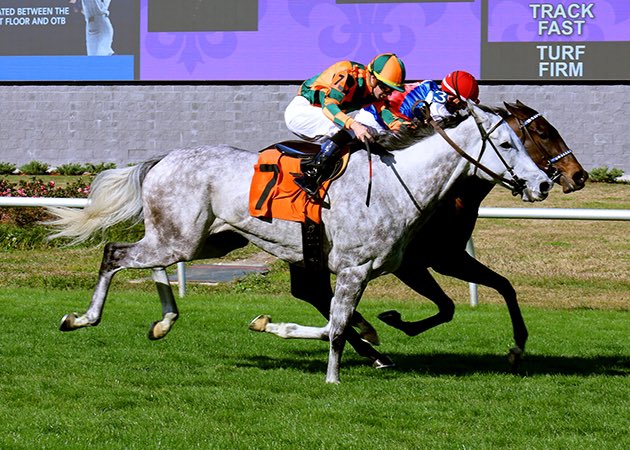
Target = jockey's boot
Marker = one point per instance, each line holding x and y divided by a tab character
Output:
312	176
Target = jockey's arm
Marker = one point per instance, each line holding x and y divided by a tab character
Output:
333	111
393	121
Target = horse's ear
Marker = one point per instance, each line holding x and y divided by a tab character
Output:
519	103
511	106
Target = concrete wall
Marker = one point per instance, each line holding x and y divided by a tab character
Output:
58	124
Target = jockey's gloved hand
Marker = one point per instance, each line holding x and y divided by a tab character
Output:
361	131
418	98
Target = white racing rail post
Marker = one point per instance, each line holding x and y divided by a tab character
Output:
181	278
542	213
79	203
472	287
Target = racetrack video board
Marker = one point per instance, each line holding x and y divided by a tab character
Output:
65	40
292	40
556	40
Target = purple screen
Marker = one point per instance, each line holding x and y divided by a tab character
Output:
297	39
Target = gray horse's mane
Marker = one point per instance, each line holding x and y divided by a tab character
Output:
419	130
416	132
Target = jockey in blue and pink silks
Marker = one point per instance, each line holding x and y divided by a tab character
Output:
443	100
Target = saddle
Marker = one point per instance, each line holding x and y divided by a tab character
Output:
274	195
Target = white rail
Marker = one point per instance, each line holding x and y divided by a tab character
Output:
80	203
555	213
541	213
43	201
486	213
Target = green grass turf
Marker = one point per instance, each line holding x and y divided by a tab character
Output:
211	383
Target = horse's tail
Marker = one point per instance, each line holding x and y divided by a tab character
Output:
115	197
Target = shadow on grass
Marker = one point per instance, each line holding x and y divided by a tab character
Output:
457	364
465	364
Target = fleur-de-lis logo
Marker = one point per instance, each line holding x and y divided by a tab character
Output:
190	47
193	48
362	31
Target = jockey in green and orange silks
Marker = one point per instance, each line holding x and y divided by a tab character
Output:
324	109
341	87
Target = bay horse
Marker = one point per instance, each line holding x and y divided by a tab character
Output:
442	245
194	204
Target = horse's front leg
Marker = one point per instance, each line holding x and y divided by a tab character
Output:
112	254
349	287
467	268
314	287
160	328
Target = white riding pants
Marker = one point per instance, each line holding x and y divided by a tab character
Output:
308	122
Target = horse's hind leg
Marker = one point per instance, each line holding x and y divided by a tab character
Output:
214	246
113	253
314	288
140	255
160	328
420	280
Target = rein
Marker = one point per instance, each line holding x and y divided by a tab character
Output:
516	185
553	172
369	189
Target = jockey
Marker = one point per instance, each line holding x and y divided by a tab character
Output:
401	108
324	109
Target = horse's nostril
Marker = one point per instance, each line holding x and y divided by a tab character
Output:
545	187
580	177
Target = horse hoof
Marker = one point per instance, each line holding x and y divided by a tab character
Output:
390	317
368	334
68	322
384	362
153	335
515	356
370	339
260	323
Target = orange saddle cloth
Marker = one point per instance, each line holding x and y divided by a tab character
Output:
274	195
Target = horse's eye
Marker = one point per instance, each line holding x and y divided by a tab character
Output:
506	144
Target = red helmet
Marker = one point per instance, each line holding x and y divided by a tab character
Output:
461	84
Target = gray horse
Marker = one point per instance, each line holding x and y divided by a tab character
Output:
442	246
195	205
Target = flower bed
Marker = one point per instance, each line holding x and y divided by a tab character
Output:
35	187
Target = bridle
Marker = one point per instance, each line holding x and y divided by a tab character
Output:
515	184
549	169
